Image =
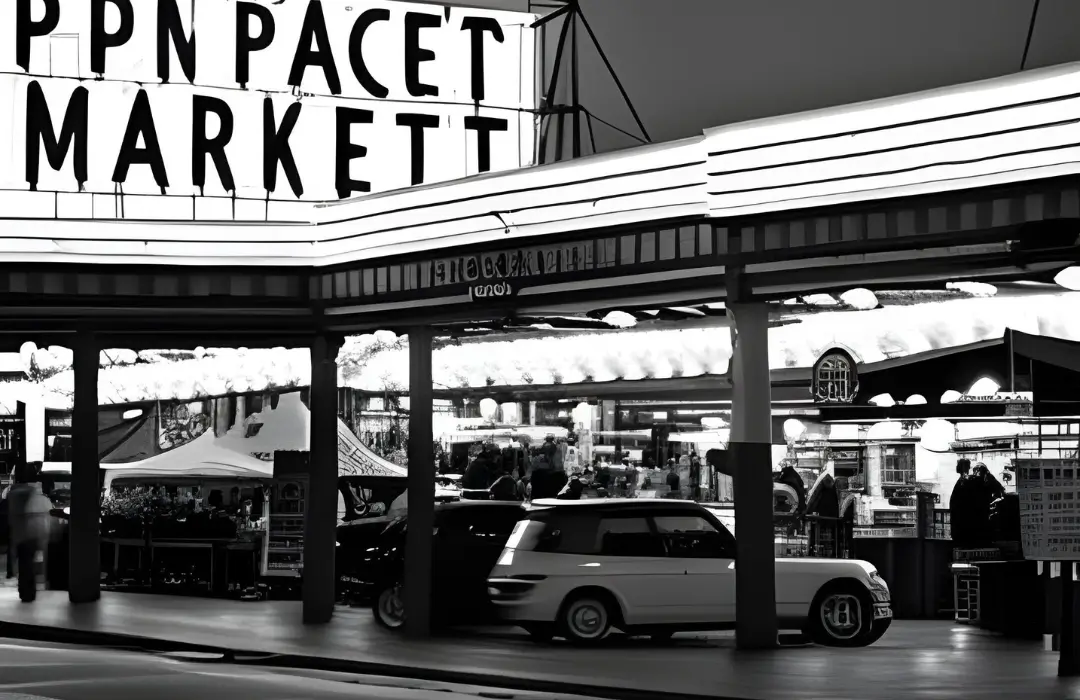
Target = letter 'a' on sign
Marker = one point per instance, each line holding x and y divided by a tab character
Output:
141	123
314	30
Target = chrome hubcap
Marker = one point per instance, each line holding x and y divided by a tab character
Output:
841	614
588	619
392	607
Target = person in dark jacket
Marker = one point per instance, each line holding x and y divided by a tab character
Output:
505	488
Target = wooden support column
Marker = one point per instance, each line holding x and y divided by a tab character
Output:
320	522
84	563
419	539
750	452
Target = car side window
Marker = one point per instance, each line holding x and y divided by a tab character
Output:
494	525
628	537
692	537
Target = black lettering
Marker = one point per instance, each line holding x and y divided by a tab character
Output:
39	130
100	40
356	50
472	269
417	123
203	146
314	30
414	55
347	151
276	148
245	43
483	126
26	28
141	122
477	27
170	29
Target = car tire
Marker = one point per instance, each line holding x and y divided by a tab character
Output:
585	618
389	607
540	632
842	615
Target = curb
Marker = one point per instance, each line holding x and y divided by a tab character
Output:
125	642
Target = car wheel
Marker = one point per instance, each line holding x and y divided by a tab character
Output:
389	607
842	616
585	619
540	632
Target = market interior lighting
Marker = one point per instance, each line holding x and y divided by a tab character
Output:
937	435
883	400
489	408
915	400
620	319
951	396
861	299
793	429
1069	278
984	387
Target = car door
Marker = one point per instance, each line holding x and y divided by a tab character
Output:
631	561
698	546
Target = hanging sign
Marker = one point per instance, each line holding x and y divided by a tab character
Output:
304	99
496	290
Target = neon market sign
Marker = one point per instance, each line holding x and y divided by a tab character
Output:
302	99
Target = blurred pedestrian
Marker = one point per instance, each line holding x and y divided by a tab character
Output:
28	511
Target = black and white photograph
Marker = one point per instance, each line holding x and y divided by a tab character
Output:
539	349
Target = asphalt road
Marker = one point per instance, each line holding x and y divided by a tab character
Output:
31	671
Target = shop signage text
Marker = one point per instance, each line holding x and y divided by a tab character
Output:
225	95
525	262
498	290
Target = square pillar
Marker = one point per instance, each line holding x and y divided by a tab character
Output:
750	452
320	520
84	552
419	538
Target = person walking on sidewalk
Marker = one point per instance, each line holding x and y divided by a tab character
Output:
28	510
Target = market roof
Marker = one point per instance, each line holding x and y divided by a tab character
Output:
1004	130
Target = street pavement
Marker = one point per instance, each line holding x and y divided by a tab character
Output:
931	659
29	671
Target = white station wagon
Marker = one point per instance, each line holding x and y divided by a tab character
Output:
577	569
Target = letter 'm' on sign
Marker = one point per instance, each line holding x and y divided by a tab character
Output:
100	40
169	27
314	30
414	55
26	28
483	126
347	151
245	43
356	50
417	123
39	130
477	27
141	123
203	146
276	148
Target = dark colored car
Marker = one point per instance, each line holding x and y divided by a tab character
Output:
469	537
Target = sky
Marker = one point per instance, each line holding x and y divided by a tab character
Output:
693	64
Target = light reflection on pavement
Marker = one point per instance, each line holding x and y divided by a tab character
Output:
32	671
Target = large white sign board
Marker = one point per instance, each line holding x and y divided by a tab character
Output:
1049	491
290	100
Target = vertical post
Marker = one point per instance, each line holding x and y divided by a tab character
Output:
320	520
419	538
751	454
84	552
1068	663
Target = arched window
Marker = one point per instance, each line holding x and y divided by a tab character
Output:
835	379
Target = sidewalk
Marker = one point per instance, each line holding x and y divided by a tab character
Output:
914	660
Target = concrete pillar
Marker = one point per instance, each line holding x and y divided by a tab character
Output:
84	563
419	539
320	521
750	452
